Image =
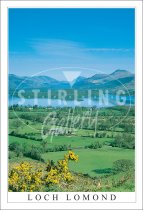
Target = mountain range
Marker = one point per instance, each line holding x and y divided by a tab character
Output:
111	81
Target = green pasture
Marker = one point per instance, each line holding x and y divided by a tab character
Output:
94	162
74	142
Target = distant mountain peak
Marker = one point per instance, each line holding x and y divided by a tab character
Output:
121	71
13	75
96	81
98	76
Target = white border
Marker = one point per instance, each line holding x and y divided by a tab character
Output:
4	115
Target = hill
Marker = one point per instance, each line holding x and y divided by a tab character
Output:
113	82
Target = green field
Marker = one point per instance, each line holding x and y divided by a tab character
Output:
75	142
94	163
97	162
97	153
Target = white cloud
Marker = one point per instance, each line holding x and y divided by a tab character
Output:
53	53
65	47
109	49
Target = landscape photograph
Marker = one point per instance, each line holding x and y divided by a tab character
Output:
71	100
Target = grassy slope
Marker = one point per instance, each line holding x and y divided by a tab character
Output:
23	140
61	140
94	162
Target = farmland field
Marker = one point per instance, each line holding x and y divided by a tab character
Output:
98	150
94	163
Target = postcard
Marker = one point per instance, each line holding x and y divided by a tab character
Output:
71	104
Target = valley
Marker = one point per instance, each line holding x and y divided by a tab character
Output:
37	141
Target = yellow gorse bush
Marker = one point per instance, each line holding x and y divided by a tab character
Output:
24	177
71	156
61	172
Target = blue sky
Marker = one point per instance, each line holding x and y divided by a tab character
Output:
41	39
